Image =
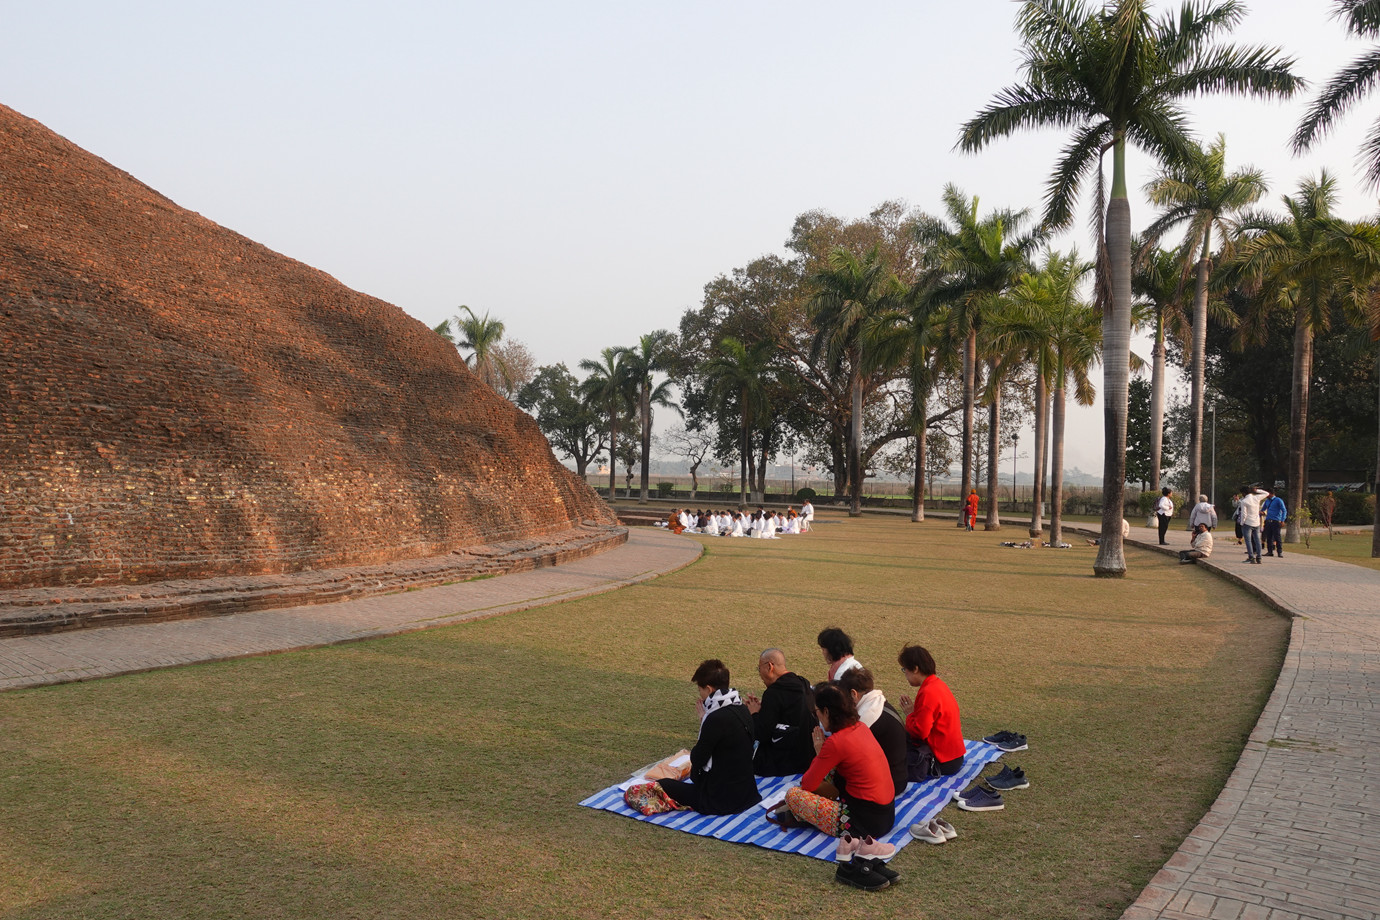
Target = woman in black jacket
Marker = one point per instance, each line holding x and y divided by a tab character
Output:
721	760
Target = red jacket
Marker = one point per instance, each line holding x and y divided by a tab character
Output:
860	762
934	720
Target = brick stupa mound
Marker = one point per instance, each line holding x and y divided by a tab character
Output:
181	402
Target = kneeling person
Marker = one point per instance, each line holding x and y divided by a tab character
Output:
721	760
782	719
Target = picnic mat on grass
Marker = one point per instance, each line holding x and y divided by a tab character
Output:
920	802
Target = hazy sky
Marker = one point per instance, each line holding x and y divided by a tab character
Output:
579	170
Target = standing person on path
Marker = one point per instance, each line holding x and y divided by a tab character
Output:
1202	513
970	509
1249	509
1164	511
1275	515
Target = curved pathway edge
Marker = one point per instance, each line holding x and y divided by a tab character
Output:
91	654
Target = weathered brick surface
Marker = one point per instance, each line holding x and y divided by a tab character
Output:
177	401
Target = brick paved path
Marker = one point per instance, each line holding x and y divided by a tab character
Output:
1296	831
30	661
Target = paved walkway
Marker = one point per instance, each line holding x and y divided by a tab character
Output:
1296	831
87	654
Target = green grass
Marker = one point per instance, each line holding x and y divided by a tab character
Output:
1343	547
436	774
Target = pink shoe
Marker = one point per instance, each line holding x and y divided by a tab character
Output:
848	848
871	849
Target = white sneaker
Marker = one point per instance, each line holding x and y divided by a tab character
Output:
929	832
945	828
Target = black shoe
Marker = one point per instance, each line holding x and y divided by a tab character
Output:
783	819
859	874
880	867
1271	554
1009	779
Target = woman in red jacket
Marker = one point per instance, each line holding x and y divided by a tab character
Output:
932	720
861	798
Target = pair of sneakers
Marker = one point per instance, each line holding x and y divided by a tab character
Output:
934	831
979	798
1009	779
862	863
1007	741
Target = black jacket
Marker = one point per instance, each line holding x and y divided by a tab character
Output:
890	732
727	787
784	724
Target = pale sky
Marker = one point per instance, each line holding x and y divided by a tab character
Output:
582	170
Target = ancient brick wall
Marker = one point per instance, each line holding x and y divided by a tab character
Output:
179	401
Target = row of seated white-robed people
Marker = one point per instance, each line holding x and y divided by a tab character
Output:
762	524
856	752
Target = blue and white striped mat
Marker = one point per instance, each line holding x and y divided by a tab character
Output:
920	802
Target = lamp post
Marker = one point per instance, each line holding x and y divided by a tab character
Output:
1015	441
1213	487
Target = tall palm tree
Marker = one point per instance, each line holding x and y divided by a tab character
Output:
481	335
1047	314
1113	74
609	386
973	262
740	373
641	362
1361	19
851	293
1311	261
1201	193
1158	283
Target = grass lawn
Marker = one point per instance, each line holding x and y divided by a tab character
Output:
1343	547
436	774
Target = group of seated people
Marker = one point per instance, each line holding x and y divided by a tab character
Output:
857	752
762	523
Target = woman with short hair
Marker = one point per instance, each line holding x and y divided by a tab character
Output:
932	720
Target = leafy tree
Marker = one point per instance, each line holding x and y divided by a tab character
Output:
852	294
1111	73
1309	260
1200	193
555	397
1157	281
518	367
481	335
741	372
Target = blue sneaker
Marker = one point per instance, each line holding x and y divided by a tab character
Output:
1009	779
976	798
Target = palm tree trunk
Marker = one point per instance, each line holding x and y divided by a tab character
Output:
762	469
1157	375
646	407
917	507
969	390
1197	386
855	449
1037	492
993	521
1116	371
613	455
743	455
1056	476
1298	420
1375	532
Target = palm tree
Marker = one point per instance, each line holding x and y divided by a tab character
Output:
851	293
641	362
1047	315
1201	193
1158	283
973	263
1113	74
741	373
1310	261
1362	19
609	386
481	335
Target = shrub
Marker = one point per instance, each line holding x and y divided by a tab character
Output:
664	489
806	494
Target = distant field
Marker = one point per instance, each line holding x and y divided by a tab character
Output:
436	774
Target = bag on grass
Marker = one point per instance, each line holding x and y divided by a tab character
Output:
649	799
921	764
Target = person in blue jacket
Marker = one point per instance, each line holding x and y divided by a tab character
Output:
1275	514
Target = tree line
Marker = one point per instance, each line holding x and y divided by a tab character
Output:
870	338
